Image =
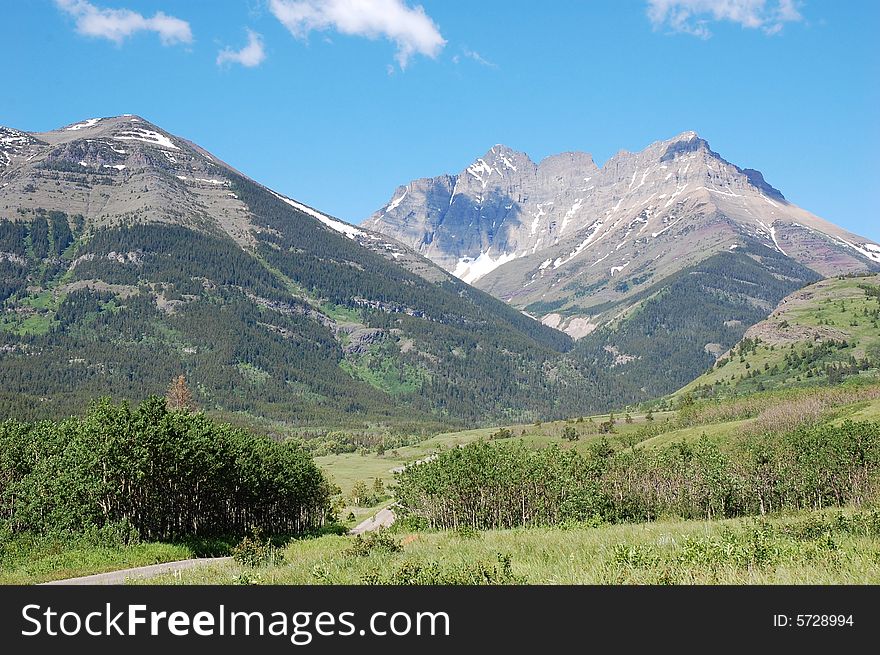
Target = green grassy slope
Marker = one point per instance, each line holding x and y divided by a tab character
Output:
824	333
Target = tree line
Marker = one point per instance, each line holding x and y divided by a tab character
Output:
165	474
505	485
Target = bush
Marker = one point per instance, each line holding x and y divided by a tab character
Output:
467	532
255	551
363	496
376	541
481	572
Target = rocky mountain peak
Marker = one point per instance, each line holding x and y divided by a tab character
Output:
563	238
126	128
684	143
499	163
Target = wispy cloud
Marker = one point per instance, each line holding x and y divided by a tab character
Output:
693	16
251	55
118	24
476	56
410	28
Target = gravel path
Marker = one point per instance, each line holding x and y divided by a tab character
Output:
119	577
381	519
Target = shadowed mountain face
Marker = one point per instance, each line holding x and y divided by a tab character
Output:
577	245
130	255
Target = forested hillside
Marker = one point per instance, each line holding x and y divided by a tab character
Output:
683	324
274	312
325	335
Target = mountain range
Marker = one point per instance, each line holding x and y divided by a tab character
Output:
130	255
656	262
576	245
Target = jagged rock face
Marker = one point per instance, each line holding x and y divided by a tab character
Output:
501	206
575	244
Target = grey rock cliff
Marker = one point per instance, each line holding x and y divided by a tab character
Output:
572	243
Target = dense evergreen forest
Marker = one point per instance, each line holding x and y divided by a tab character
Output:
267	334
685	322
162	474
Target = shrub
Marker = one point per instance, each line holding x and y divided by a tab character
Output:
255	551
480	572
467	532
377	541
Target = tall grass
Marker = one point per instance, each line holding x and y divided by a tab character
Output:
780	409
26	559
839	547
808	409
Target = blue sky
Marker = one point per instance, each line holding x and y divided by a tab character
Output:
336	102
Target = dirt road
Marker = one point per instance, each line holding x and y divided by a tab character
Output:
381	519
120	577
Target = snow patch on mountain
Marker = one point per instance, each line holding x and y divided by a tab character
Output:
470	270
394	204
348	230
86	123
574	209
147	136
591	238
868	250
482	171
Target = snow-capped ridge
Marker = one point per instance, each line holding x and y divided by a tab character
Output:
334	224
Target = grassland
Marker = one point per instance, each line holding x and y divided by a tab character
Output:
834	310
816	548
28	562
662	551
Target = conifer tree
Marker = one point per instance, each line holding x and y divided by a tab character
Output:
178	396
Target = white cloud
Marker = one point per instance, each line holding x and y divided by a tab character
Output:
118	24
693	16
251	55
410	28
476	56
